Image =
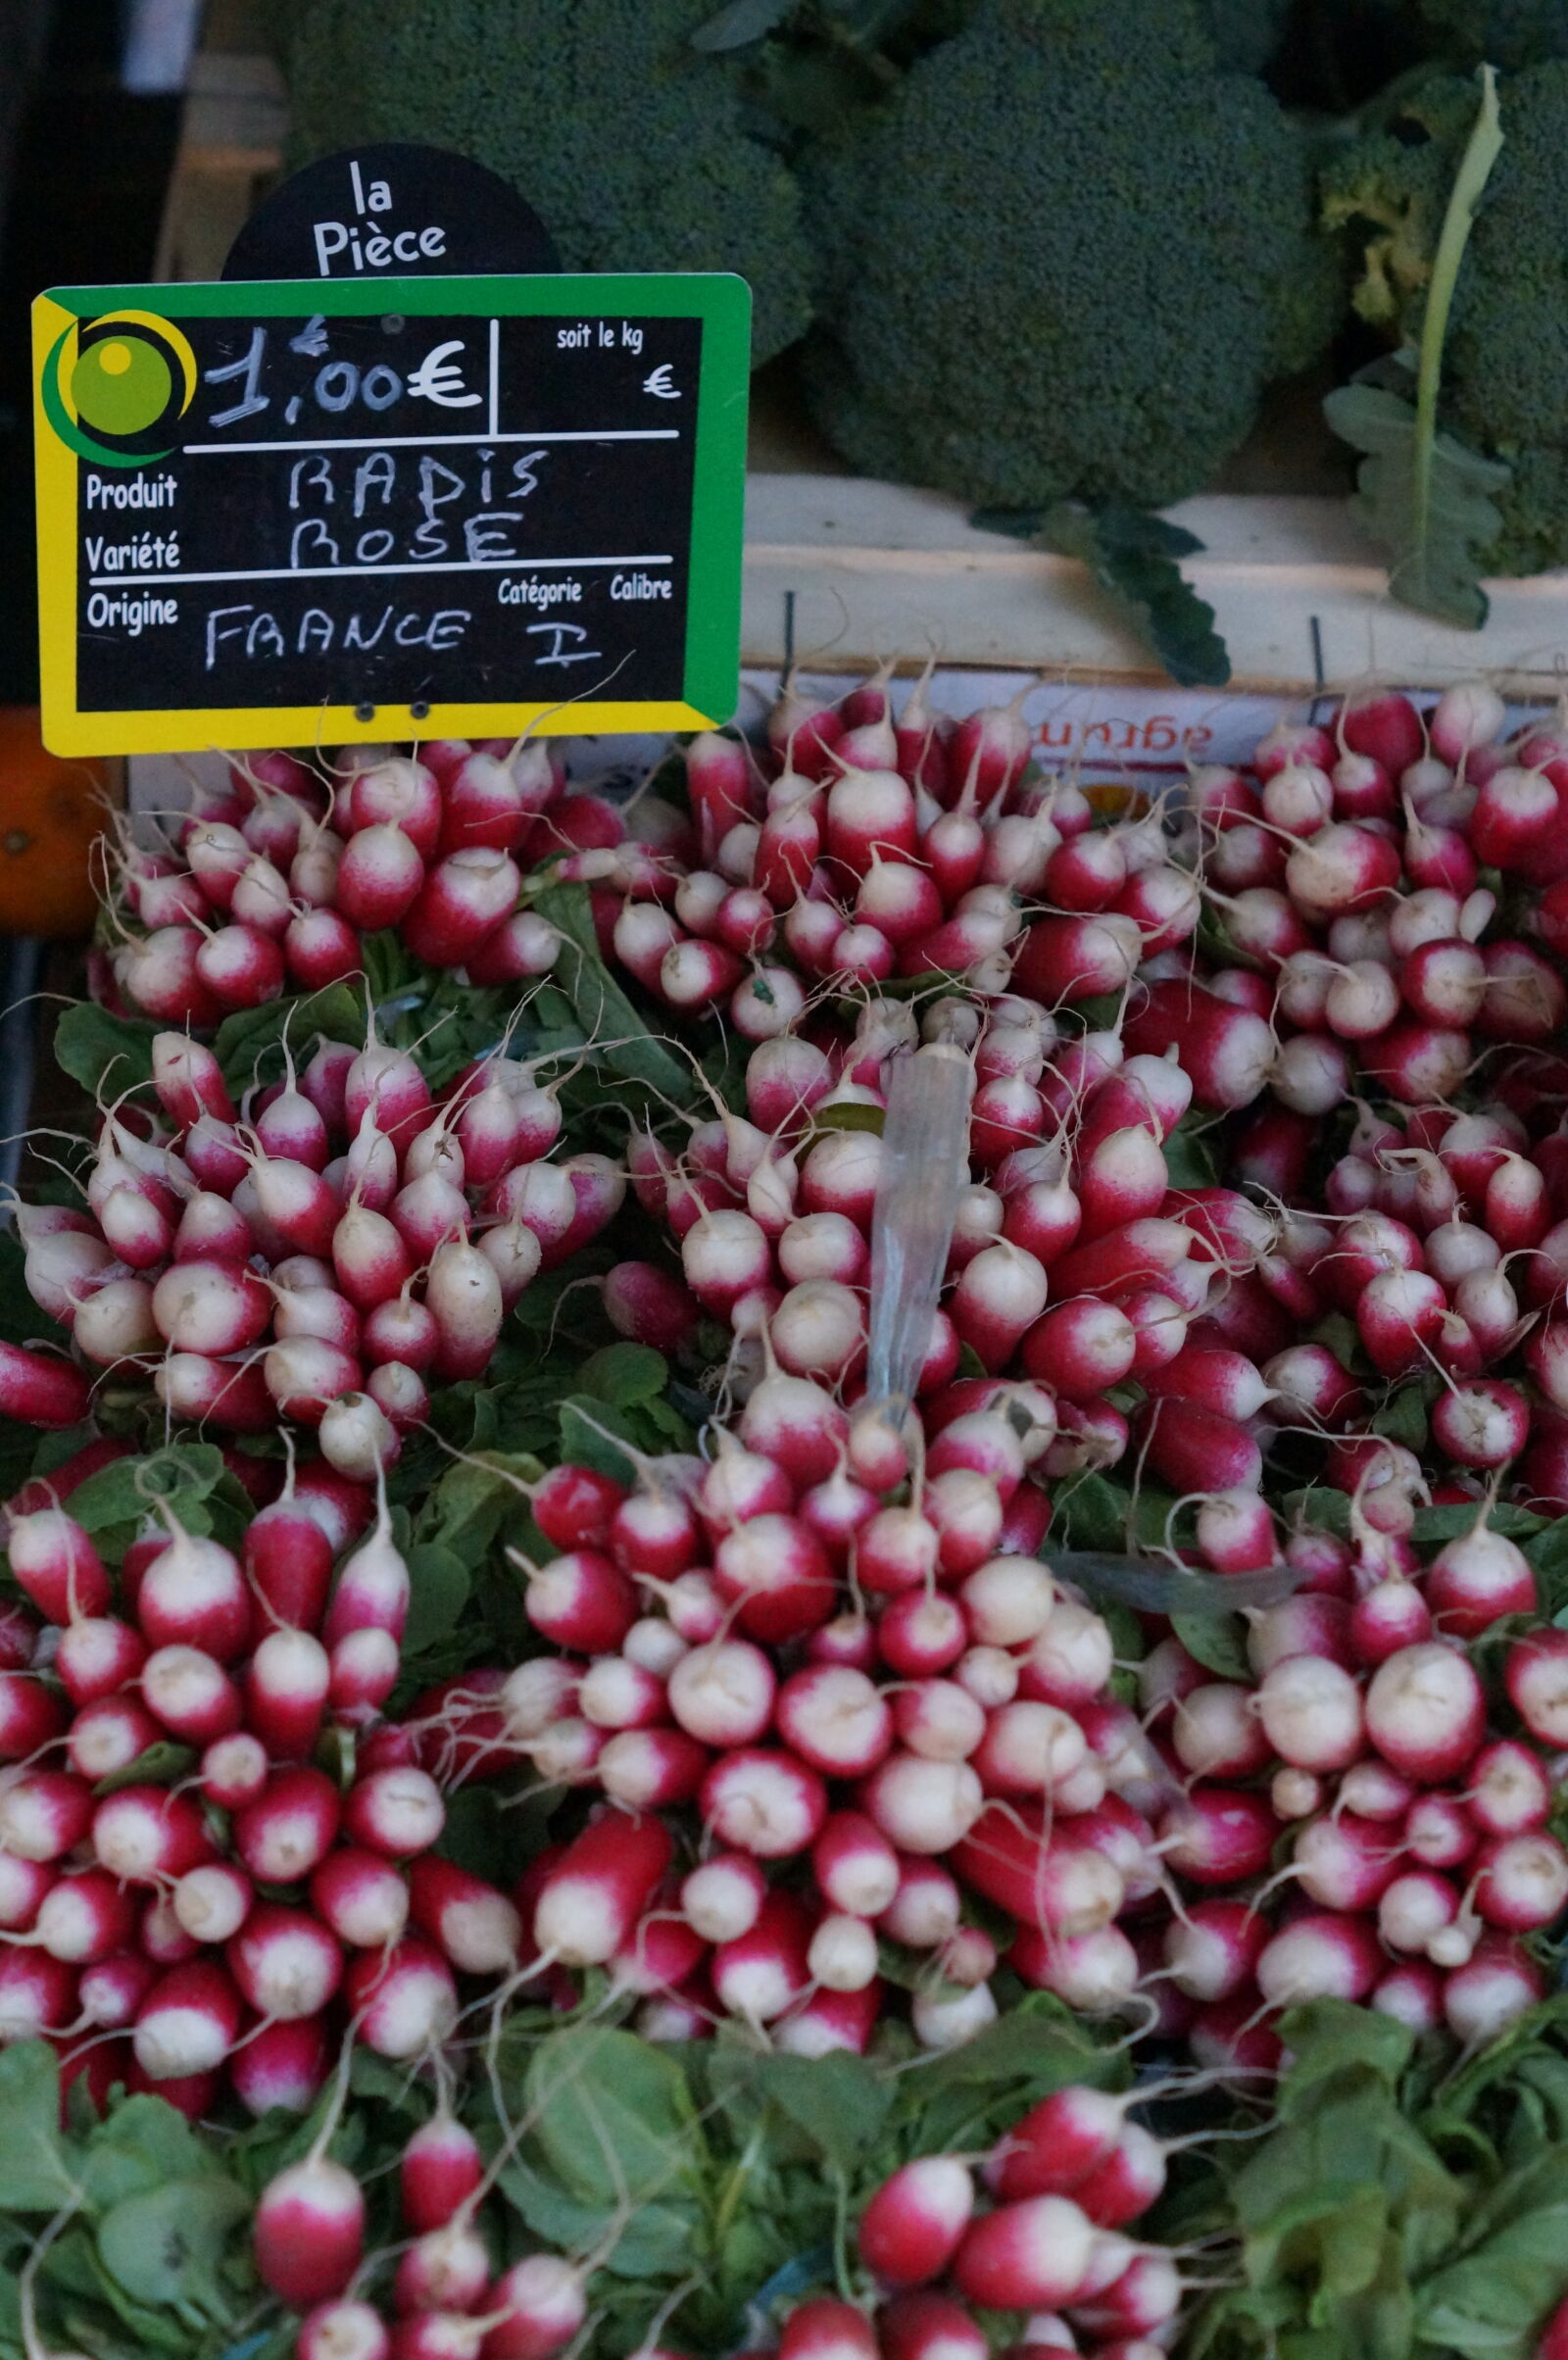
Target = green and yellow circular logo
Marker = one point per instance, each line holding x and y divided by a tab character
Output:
116	388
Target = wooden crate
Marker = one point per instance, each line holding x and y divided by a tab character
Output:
862	570
844	572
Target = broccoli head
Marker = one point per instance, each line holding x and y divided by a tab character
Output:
626	141
1390	188
1505	386
1063	260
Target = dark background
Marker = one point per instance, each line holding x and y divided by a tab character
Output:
83	170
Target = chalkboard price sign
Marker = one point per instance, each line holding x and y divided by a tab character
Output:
313	512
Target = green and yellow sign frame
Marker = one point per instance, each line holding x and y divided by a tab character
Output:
116	375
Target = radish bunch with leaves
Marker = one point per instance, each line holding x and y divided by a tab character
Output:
1063	1552
1088	1256
274	886
685	2199
216	1851
324	1262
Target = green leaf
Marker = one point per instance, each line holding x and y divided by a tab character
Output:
846	1116
1218	1641
1320	1509
1514	2269
1402	1417
587	1431
54	1449
1439	573
840	2101
181	1475
438	1592
1039	2041
142	2142
159	1765
614	2120
164	2246
591	1430
1091	1512
1435	1525
73	2266
618	1036
1425	495
35	2172
246	1040
388	968
1099	1012
104	1053
1548	1553
1135	560
1132	557
624	1375
472	1502
1326	2034
1189	1158
655	2243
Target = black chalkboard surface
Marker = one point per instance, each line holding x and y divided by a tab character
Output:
385	210
302	512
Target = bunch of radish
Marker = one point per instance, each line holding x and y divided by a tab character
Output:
322	1259
1050	2233
272	886
819	1723
447	2300
1349	876
1077	1268
1443	1229
878	847
1412	1809
829	1741
187	1897
797	1771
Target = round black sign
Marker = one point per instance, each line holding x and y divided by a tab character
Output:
395	210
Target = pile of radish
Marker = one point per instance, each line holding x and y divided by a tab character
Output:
1053	2238
447	2299
827	1556
802	1771
1414	1837
270	886
1063	2189
206	1918
1277	943
323	1262
1257	1137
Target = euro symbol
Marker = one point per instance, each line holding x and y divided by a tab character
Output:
659	383
437	380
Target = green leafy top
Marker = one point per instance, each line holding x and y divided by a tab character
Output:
1399	2207
1427	497
699	2175
1132	557
144	2256
460	1491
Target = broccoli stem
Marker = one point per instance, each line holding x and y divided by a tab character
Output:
1482	151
